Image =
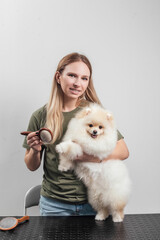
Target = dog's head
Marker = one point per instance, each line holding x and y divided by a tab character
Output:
96	120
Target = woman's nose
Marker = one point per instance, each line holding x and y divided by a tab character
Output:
76	82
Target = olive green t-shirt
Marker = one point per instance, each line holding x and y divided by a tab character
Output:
64	186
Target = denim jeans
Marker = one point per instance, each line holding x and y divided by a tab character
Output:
52	207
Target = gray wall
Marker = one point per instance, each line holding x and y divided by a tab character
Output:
121	38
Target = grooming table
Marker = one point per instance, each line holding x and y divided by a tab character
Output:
136	227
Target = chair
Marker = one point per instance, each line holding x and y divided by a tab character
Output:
31	198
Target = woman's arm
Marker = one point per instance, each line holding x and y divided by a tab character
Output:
33	155
32	159
120	152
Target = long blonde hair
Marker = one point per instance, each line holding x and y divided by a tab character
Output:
54	118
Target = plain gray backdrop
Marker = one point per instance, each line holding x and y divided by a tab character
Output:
122	40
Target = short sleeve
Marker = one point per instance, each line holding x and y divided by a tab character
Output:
36	122
119	136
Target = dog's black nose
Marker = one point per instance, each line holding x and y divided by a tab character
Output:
95	132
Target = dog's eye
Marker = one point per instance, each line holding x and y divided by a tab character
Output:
90	125
100	127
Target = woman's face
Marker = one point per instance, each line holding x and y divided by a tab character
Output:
74	79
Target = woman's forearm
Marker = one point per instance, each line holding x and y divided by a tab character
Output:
120	152
32	159
33	155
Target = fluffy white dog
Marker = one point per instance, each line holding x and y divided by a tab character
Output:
93	131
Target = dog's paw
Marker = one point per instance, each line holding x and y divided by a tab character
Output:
63	168
101	216
117	218
59	148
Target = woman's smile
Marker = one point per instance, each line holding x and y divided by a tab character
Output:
75	91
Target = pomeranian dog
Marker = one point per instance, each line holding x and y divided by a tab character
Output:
93	131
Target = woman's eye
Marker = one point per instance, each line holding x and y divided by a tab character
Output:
100	127
71	75
90	125
86	79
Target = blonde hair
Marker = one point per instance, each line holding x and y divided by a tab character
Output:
54	118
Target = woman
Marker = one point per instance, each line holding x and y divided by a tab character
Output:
62	194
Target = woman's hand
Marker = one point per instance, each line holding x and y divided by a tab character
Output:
87	158
33	154
34	142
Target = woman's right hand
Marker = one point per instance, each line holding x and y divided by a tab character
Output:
34	142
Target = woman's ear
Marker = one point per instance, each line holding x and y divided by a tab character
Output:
58	77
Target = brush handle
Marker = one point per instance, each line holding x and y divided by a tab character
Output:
25	133
23	219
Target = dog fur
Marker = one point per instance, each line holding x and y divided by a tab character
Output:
93	131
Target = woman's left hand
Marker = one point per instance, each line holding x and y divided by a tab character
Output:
88	158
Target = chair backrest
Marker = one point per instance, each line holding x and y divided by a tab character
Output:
32	197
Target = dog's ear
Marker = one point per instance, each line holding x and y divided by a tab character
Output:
109	116
110	119
83	113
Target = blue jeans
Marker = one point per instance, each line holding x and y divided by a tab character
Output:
52	207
